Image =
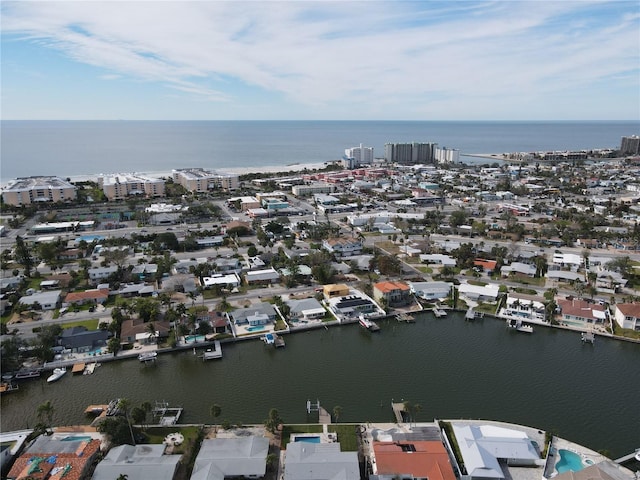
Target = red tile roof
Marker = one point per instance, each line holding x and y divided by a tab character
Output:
579	308
428	460
486	264
95	294
629	309
386	287
77	462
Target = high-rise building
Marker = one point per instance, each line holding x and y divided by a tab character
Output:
630	145
447	155
361	155
409	153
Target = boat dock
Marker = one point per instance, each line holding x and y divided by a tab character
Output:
78	368
398	411
439	313
588	337
90	368
165	414
405	317
273	339
211	353
99	410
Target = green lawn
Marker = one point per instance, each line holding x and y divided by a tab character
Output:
346	436
90	324
156	435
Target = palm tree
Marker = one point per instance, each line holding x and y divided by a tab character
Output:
151	329
124	404
337	412
215	412
45	414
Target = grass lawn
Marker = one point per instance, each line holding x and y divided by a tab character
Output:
346	436
287	430
90	324
156	435
539	282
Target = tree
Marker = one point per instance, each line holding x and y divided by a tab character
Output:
113	345
124	405
151	329
23	256
215	412
337	412
45	413
273	422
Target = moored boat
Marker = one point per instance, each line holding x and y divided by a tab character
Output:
519	326
147	356
28	373
215	352
6	387
56	375
368	324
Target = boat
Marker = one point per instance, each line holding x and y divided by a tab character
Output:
469	315
273	339
56	375
211	353
28	373
368	324
148	356
439	313
518	326
6	387
588	337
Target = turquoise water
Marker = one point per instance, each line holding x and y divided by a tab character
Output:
75	439
257	328
569	461
194	338
307	439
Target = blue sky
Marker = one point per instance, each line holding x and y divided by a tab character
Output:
387	60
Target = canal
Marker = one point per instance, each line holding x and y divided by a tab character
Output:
452	368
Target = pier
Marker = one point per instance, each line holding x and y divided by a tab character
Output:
398	411
165	414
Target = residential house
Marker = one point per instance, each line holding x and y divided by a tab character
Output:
8	284
478	293
101	273
430	291
258	314
580	312
137	462
518	267
392	293
137	330
94	296
319	461
306	309
221	458
343	247
145	271
180	283
218	320
51	458
627	315
438	259
228	265
526	308
46	300
264	277
81	340
411	459
335	290
353	305
485	265
230	280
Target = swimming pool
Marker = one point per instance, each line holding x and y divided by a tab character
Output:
255	328
569	461
194	338
75	439
307	439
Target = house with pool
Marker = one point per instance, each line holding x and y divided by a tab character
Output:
254	319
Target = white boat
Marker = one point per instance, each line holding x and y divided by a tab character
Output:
148	356
439	313
56	375
368	324
518	326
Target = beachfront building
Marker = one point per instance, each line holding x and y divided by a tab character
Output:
40	189
627	315
409	153
119	186
447	155
357	156
630	145
312	188
202	180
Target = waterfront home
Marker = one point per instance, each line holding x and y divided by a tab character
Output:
46	300
392	293
218	320
306	309
580	312
255	315
343	247
479	293
137	330
220	458
311	461
627	315
484	449
526	308
354	304
407	458
140	461
94	297
81	340
48	457
431	291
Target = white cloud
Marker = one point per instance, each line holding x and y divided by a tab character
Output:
332	53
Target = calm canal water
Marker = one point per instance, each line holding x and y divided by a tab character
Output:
454	369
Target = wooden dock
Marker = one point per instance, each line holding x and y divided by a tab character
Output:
77	368
99	410
323	416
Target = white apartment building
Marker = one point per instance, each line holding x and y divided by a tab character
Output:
119	186
447	155
28	190
360	155
203	180
307	190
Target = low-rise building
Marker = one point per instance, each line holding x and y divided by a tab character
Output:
314	461
221	458
258	314
431	291
45	300
119	186
307	190
627	315
93	296
204	180
343	247
140	461
580	312
306	309
392	293
137	330
266	276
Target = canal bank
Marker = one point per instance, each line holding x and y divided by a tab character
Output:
453	368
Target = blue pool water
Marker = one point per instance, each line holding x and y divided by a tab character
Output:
194	338
75	439
255	329
569	461
307	439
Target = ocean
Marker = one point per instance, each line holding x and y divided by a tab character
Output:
71	148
